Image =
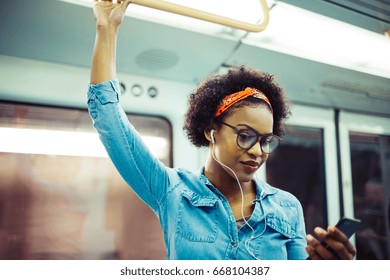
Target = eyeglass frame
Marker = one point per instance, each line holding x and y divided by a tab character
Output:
258	135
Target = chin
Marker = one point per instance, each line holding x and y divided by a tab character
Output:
245	178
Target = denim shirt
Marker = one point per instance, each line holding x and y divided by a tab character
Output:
195	217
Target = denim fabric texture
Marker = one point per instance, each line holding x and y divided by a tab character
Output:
195	217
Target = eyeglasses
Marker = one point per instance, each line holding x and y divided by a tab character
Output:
247	138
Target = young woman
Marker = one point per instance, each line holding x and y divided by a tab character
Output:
223	212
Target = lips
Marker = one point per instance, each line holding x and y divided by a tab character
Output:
251	165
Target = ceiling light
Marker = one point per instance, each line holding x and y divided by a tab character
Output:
312	36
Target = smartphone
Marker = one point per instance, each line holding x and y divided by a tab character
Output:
348	226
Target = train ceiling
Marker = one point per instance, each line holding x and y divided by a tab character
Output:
62	32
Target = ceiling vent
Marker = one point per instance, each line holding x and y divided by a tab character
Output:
375	9
374	92
157	59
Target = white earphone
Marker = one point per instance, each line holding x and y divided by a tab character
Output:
242	201
212	136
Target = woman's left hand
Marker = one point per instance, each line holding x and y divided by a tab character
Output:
109	13
331	245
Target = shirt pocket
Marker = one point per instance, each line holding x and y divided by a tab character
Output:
281	226
197	218
272	243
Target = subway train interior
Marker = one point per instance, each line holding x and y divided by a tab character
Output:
62	198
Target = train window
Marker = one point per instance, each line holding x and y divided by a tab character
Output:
370	167
297	166
60	195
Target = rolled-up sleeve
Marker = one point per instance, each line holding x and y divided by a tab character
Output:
146	175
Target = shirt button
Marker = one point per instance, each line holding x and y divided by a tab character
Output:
234	244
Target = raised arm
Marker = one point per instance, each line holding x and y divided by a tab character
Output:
143	172
108	17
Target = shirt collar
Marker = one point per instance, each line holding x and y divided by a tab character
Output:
262	188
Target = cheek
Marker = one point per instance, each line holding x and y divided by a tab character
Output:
232	156
228	151
264	158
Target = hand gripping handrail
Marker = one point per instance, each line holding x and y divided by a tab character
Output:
202	15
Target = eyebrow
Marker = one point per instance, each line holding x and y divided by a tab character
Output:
248	126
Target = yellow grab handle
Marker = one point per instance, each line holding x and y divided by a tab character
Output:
198	14
202	15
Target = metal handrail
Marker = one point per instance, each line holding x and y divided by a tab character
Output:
202	15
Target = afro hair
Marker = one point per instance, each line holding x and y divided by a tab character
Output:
205	99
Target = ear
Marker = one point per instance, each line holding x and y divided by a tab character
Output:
207	134
212	136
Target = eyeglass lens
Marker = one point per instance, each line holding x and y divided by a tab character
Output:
247	139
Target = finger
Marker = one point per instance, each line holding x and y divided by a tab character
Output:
322	246
340	236
312	254
335	243
337	234
317	250
311	242
105	2
346	248
125	3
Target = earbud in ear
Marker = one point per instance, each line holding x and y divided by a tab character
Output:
212	136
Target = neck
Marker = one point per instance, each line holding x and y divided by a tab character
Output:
225	181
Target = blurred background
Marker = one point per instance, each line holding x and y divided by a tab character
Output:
61	197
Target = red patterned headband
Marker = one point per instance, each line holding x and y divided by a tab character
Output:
233	98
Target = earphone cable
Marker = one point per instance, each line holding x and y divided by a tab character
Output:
242	206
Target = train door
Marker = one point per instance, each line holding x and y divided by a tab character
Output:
305	164
365	162
60	195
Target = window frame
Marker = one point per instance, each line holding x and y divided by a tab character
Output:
353	122
320	118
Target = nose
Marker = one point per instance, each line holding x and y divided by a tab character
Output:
256	150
